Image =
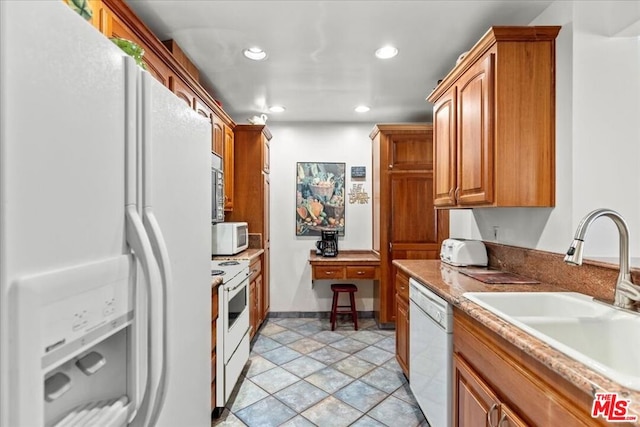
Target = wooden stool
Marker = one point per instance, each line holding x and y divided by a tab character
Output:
337	288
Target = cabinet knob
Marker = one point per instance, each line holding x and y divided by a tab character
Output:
390	166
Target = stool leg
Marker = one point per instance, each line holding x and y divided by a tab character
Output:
334	308
354	313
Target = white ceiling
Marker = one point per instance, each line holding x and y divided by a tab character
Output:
321	61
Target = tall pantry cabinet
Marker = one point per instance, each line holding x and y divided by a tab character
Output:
405	223
251	194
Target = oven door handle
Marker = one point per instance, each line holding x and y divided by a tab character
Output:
237	286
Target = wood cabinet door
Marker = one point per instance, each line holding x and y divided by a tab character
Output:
410	151
474	404
265	154
266	294
444	149
508	418
228	168
182	91
259	303
402	334
217	139
475	134
253	313
415	228
266	189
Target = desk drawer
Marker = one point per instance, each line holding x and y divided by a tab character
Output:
328	272
362	272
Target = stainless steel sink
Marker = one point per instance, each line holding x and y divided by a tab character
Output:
602	337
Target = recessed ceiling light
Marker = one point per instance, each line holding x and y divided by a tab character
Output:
362	109
276	108
386	52
255	53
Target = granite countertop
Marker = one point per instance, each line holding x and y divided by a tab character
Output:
249	254
450	284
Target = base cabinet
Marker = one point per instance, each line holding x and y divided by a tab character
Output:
402	321
497	384
476	404
255	296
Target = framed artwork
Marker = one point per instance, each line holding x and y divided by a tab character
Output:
319	198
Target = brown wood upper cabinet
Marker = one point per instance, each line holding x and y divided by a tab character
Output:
494	122
228	148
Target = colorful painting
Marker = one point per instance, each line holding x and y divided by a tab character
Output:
319	198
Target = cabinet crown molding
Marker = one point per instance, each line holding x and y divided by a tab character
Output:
491	37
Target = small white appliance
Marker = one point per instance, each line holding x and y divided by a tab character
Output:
232	346
463	252
229	238
430	353
105	297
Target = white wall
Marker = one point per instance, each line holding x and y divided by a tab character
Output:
291	287
597	138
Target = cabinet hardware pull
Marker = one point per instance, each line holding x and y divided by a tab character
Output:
390	166
503	418
360	273
493	407
457	193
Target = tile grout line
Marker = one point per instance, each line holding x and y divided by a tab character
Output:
295	326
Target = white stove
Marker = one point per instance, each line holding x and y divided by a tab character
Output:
232	347
228	269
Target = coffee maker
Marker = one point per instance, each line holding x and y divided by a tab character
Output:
328	245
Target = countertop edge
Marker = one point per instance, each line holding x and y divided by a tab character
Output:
248	254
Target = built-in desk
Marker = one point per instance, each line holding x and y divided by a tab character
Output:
353	265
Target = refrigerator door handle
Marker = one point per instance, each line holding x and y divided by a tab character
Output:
154	231
161	253
139	241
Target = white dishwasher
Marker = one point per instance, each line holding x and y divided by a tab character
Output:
430	353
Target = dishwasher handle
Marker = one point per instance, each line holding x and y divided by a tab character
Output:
438	309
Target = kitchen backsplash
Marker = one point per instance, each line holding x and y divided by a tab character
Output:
592	277
255	241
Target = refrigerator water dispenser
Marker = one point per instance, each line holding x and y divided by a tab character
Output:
72	331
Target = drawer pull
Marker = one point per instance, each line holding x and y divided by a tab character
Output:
329	272
360	273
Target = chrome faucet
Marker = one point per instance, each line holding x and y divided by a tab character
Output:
626	293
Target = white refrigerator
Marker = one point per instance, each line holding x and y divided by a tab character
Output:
105	218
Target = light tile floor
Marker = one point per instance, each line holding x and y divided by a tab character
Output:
300	373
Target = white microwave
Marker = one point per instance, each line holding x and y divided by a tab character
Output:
229	238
